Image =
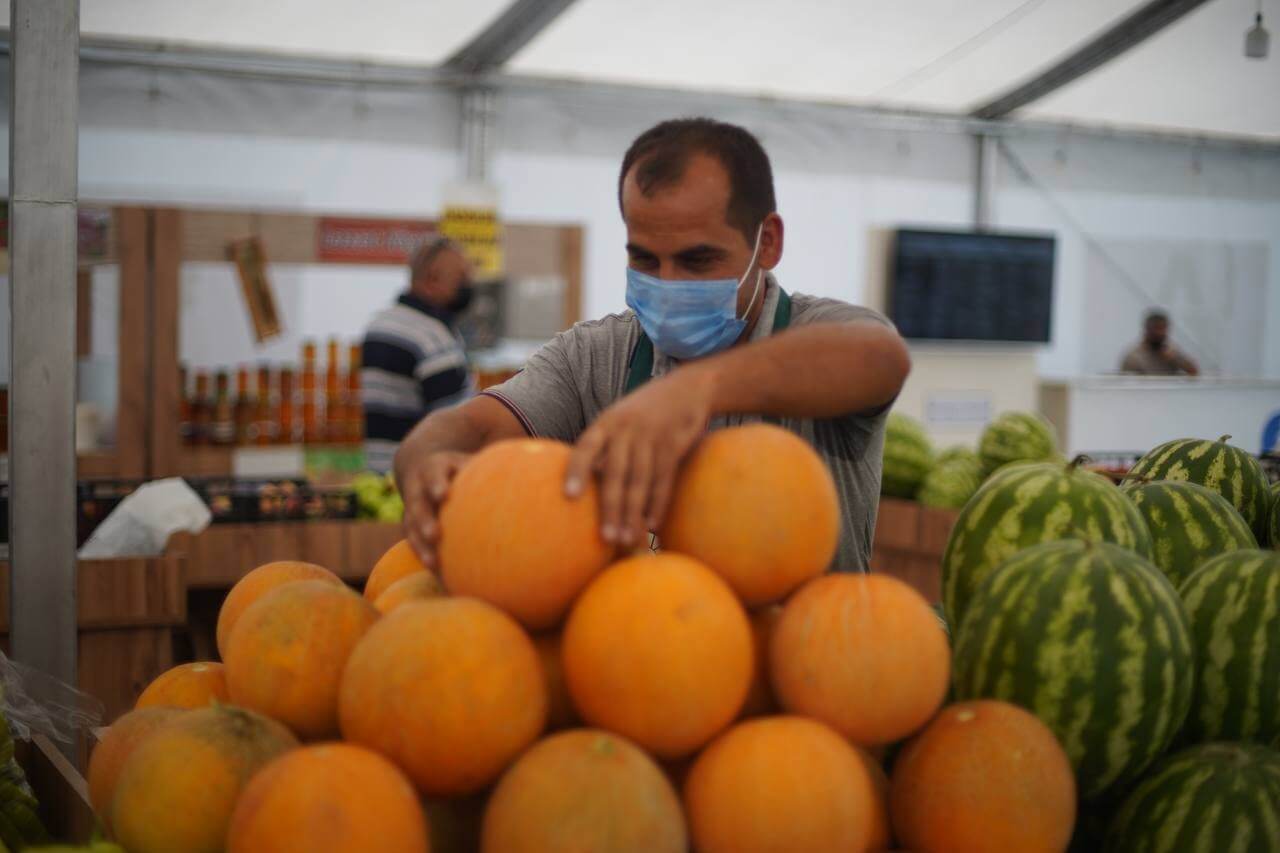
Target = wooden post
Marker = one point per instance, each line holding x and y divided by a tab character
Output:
135	331
166	262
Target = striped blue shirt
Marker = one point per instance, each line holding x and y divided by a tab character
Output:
413	364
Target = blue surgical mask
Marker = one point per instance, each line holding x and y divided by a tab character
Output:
695	318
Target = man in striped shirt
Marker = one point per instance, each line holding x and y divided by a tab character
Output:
413	358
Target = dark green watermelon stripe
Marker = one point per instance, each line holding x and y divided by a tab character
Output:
1093	640
1218	466
1233	603
1026	505
1216	798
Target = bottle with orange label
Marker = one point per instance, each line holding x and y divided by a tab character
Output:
355	407
264	424
312	426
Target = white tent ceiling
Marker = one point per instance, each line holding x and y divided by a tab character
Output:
940	55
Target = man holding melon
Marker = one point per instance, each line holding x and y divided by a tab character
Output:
711	340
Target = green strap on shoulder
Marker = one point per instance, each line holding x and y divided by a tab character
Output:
640	370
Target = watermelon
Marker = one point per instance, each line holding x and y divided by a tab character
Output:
957	452
1218	466
1273	529
1233	604
908	456
1015	437
950	484
1189	525
1215	798
1024	505
1092	639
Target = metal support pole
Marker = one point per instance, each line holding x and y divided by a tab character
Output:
477	132
985	151
43	70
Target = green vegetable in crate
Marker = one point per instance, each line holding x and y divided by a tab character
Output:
1025	505
1233	604
1016	437
908	456
20	824
1219	467
376	497
1189	525
1092	639
1214	798
951	484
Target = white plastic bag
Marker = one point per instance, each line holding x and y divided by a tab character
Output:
143	522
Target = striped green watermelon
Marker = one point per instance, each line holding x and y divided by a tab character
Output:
1092	639
957	452
950	485
1273	529
908	456
1027	504
1215	798
1216	465
1016	437
1233	604
1189	525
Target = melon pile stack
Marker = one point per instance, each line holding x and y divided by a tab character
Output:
1141	624
544	693
948	479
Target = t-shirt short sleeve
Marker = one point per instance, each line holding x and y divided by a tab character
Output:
544	395
817	309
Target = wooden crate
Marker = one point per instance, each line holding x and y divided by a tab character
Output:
909	542
59	787
128	610
224	553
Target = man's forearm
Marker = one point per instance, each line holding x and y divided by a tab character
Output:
819	371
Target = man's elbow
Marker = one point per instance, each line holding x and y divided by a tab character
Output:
891	363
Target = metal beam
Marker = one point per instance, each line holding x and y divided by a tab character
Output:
43	97
505	35
123	53
1132	30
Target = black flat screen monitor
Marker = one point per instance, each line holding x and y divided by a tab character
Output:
972	286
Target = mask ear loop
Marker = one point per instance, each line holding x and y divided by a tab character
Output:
759	273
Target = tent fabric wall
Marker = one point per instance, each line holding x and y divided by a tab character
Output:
198	139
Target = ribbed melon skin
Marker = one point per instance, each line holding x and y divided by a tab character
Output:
1273	529
908	456
1092	639
957	452
1015	437
1214	798
950	485
1030	503
1189	525
1219	467
1233	604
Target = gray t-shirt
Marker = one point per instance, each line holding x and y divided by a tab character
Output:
575	377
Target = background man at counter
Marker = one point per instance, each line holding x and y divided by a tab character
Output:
711	339
1154	355
413	361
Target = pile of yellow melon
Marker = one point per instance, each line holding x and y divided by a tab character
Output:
546	694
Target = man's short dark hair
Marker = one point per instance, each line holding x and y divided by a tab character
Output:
662	152
1156	315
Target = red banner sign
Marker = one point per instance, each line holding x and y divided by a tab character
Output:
371	241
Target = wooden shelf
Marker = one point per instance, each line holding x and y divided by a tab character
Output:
909	543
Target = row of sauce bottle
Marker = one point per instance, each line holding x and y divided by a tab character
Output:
286	406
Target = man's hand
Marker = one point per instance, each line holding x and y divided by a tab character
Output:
431	455
636	447
423	487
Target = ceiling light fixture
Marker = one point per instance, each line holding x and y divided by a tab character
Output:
1256	38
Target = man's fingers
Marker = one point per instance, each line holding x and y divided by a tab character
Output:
613	484
663	479
639	483
582	462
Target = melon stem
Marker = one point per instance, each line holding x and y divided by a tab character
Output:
1223	440
1076	463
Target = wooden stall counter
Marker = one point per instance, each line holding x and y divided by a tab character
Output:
910	540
